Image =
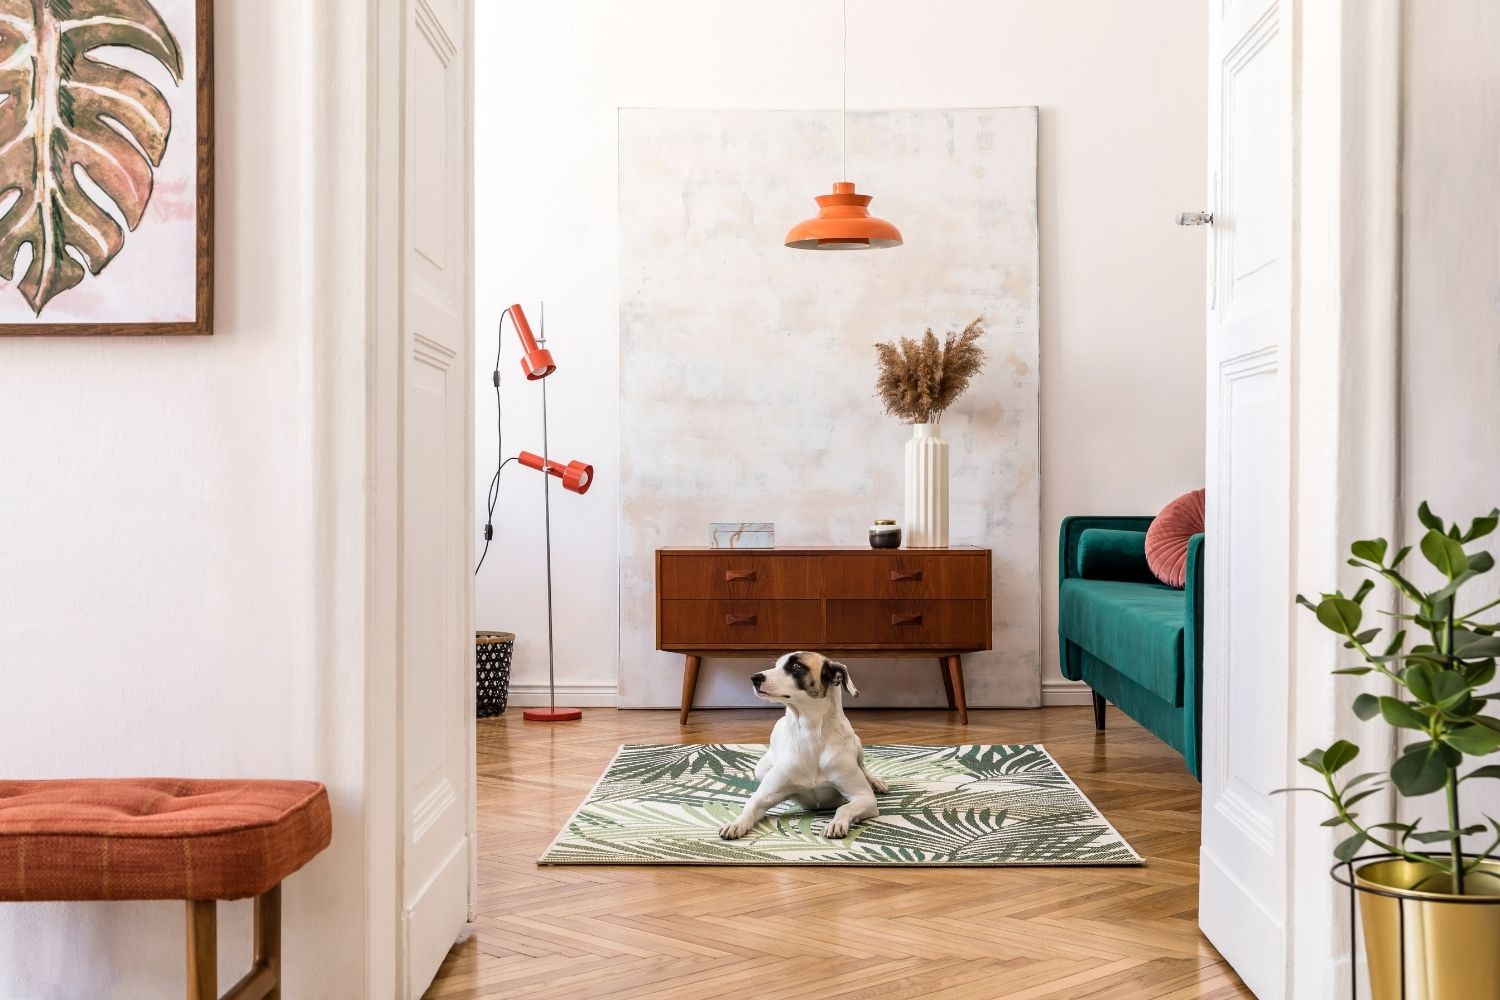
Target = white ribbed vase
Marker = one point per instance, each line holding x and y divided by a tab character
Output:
926	489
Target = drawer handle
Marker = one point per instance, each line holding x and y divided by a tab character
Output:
906	619
731	575
739	619
902	576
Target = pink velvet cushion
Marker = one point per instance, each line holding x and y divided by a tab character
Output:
1167	538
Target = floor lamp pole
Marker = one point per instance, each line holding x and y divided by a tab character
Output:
552	713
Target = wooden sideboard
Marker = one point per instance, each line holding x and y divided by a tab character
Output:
845	602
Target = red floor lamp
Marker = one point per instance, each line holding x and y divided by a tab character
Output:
577	477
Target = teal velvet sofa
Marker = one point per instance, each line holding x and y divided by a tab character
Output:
1135	641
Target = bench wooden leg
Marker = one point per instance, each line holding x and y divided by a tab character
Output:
202	950
690	665
268	938
263	981
1098	711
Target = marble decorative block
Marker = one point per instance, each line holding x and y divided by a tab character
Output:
743	535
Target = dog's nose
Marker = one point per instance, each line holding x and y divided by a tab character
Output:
757	679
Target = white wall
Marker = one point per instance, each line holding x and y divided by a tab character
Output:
1121	87
161	611
1450	385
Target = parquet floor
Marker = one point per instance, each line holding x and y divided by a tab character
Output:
792	933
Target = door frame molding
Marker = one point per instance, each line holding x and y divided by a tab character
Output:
1346	439
1344	367
354	368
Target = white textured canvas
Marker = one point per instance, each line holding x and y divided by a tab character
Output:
747	370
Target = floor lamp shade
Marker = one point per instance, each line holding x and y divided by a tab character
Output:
536	361
576	476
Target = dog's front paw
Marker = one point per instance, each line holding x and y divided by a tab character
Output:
735	830
836	828
878	785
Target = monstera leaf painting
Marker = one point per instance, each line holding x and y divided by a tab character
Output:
95	96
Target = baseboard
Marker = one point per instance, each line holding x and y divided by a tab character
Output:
1060	692
1054	692
571	695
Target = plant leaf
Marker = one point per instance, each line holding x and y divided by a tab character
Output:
1474	740
1367	706
1444	553
1429	520
1473	646
1339	614
1439	836
66	113
1349	848
1418	680
1482	526
1419	773
1448	688
1399	713
1370	550
1339	754
1488	771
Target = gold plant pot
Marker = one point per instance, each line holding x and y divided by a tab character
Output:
1422	942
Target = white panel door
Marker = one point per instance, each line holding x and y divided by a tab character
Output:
1243	893
437	662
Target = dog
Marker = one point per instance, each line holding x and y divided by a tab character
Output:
814	758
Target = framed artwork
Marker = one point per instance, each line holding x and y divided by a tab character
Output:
106	167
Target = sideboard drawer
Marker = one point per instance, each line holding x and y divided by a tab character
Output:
713	624
743	574
906	574
898	622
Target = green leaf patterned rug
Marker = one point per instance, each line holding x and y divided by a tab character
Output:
976	805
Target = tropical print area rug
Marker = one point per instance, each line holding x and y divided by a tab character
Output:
977	805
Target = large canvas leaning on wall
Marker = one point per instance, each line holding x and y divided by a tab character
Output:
106	167
747	369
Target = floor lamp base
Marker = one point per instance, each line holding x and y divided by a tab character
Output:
552	714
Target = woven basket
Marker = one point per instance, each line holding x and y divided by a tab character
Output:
492	672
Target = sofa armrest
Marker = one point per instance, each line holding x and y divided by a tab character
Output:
1073	528
1192	655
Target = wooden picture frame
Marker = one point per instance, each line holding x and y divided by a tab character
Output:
145	60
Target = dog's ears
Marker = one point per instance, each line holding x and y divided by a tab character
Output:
835	674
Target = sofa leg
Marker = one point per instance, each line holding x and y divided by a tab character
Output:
1098	711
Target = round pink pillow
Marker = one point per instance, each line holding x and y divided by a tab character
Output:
1167	538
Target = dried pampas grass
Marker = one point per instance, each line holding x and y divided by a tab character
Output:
918	380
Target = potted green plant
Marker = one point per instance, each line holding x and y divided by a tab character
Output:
1430	911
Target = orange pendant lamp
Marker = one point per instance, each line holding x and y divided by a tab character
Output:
843	221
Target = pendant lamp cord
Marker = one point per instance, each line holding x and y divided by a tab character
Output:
844	117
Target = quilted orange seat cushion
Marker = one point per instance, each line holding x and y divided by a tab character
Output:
156	838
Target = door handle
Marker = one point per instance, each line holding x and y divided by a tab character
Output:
1195	218
906	619
731	575
739	619
902	576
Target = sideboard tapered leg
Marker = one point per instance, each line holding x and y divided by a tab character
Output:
689	684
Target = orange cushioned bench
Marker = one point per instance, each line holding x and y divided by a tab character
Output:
167	838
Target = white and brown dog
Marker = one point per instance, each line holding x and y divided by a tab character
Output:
814	758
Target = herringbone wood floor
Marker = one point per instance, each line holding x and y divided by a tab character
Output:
774	933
